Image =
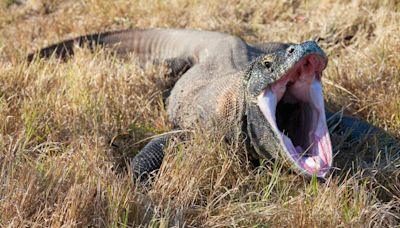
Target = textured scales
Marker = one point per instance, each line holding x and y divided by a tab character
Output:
216	62
220	79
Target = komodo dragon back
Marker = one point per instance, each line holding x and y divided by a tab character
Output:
271	92
200	55
209	91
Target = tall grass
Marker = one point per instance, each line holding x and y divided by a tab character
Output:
57	167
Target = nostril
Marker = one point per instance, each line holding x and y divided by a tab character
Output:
290	50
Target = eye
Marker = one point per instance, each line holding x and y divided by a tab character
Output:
267	64
267	61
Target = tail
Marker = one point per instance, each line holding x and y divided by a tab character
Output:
65	48
147	44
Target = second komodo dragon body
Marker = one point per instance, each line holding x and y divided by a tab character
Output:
271	92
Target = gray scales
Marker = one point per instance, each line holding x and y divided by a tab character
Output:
269	93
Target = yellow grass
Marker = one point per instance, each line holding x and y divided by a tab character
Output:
57	119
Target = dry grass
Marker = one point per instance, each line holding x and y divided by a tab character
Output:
56	119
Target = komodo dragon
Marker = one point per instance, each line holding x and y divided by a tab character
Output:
271	92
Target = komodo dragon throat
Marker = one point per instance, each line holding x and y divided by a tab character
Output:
273	89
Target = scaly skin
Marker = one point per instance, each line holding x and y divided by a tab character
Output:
221	77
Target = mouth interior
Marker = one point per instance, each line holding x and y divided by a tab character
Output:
295	119
294	107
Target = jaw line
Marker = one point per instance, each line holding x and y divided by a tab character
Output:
321	160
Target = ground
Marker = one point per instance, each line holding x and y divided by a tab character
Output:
57	167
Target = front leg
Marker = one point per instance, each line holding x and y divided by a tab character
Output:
356	128
149	158
357	140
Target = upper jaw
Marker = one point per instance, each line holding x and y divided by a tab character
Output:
288	61
297	52
301	84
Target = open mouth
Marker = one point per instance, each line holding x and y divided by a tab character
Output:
294	107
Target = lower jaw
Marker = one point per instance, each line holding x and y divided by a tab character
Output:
311	162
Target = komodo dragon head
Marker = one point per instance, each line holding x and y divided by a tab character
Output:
285	108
